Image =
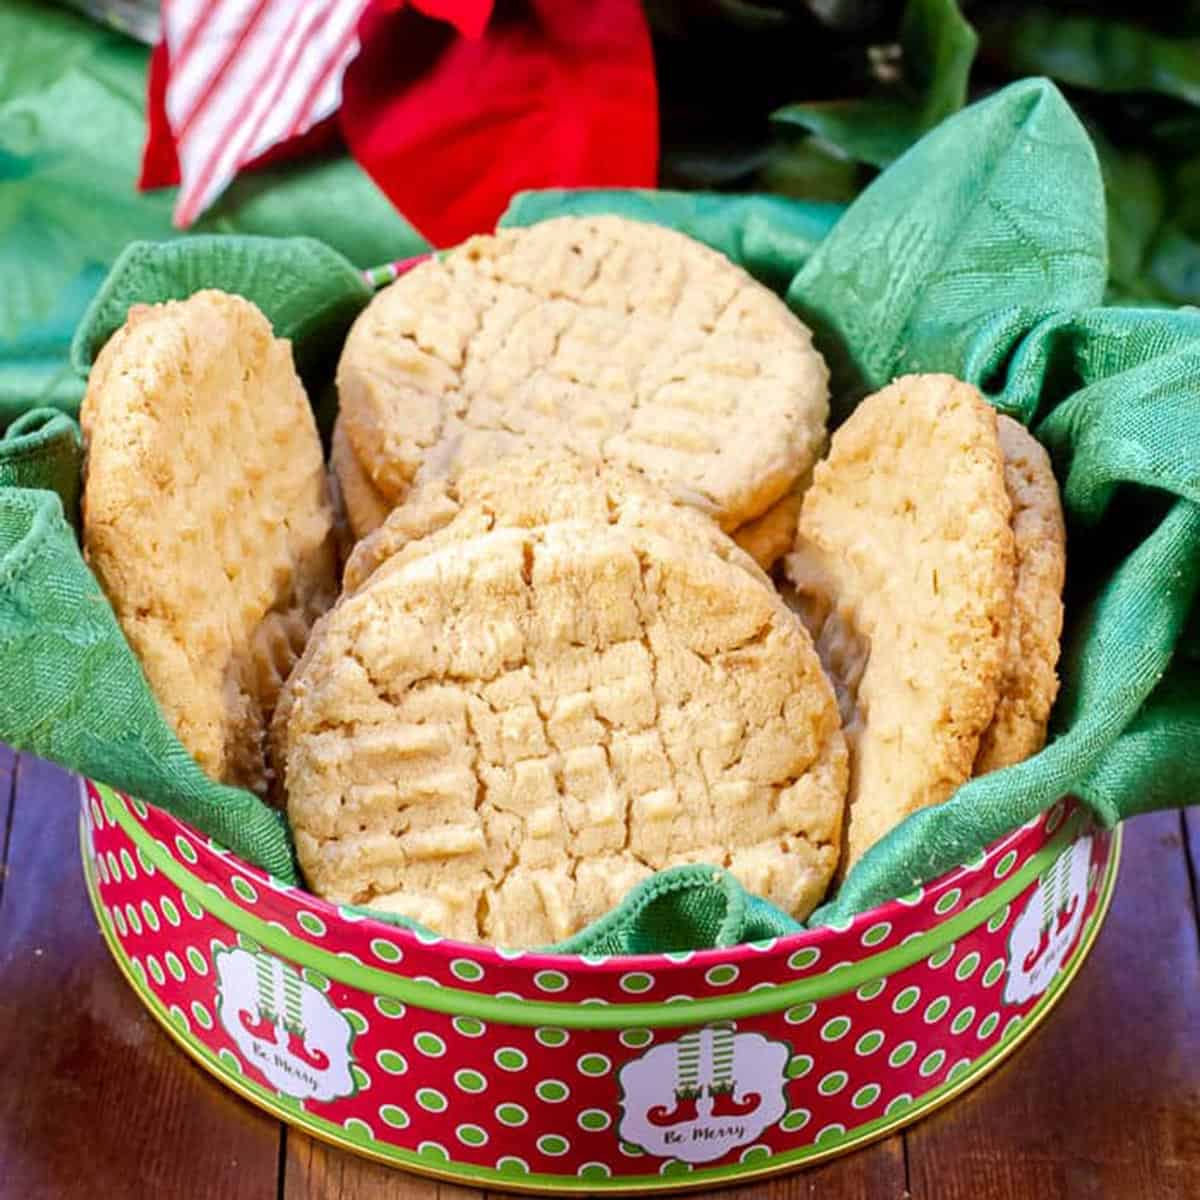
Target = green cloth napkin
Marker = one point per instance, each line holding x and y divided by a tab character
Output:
980	252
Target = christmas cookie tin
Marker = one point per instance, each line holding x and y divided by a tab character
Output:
558	1073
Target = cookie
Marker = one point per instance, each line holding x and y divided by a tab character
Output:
903	569
621	342
206	517
366	509
769	537
527	493
1030	682
500	737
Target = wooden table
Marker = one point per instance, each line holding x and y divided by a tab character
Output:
95	1101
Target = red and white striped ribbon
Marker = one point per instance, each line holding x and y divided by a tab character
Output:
246	75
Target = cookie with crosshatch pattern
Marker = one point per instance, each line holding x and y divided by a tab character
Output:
622	342
500	736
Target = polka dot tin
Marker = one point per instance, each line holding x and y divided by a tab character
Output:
558	1073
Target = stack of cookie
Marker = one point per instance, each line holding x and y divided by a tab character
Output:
569	457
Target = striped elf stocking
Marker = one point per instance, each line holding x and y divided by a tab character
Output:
721	1088
687	1084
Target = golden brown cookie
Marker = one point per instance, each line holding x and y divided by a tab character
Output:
769	537
904	572
1030	682
527	493
206	517
366	509
621	342
500	737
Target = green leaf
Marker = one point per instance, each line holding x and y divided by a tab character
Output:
1094	52
938	48
1136	202
810	169
992	221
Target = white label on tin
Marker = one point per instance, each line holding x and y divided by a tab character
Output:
1045	931
284	1026
704	1095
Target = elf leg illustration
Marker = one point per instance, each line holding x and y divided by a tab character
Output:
1046	888
721	1088
687	1085
1067	904
294	1024
262	1023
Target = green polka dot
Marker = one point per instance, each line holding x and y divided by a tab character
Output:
197	961
1005	865
673	1166
314	978
959	1069
876	934
174	966
553	1091
127	865
511	1114
753	1154
913	898
114	871
994	973
987	1026
156	972
430	1045
937	1010
185	849
550	981
869	991
548	1035
362	1081
835	1029
636	981
138	971
471	1135
902	1053
630	1150
469	1027
391	1062
899	1104
941	957
509	1058
799	1013
230	1060
594	1170
720	975
636	1038
804	958
833	1083
511	1165
118	919
799	1065
967	967
831	1133
594	1119
393	1115
386	951
150	916
869	1042
434	1151
932	1063
679	956
470	1081
389	1007
310	923
553	1144
431	1100
178	1018
357	1021
963	1020
244	889
947	901
1011	1028
906	999
594	1064
466	970
866	1095
193	908
796	1119
998	920
170	912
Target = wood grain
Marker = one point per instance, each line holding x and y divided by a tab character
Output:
1105	1099
97	1101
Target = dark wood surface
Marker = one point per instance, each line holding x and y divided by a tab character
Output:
1104	1101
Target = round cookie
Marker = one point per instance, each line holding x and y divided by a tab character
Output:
499	738
1030	683
769	537
530	492
621	342
366	509
903	570
206	517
